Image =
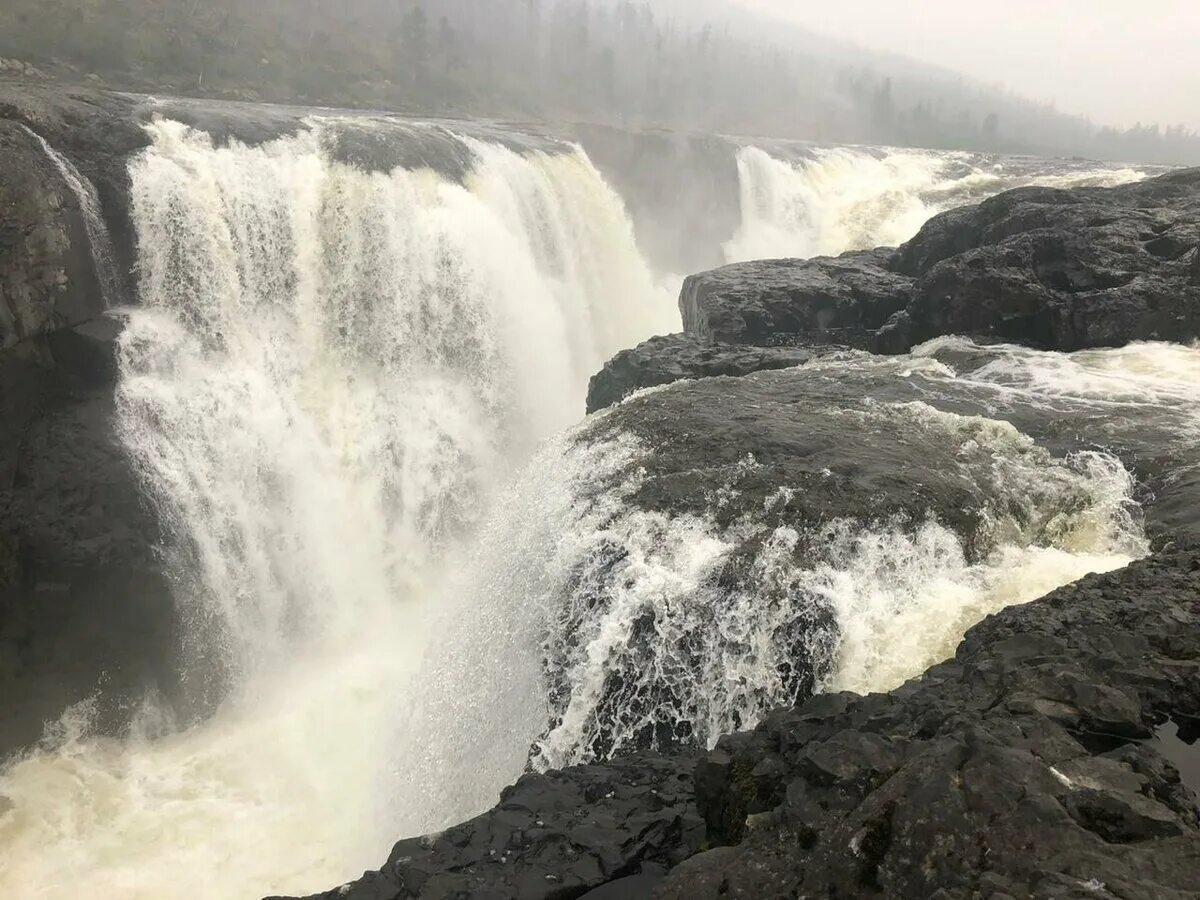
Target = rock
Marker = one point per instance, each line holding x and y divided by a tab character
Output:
994	774
841	300
979	789
665	360
558	835
1053	269
83	600
47	280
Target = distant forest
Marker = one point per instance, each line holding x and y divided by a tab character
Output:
699	65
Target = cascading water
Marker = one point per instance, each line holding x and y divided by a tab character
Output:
631	600
330	372
99	240
843	198
332	376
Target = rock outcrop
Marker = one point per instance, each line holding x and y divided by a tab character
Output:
83	602
841	300
1028	766
1042	761
676	357
1052	269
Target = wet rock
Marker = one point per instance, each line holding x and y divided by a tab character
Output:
1053	269
83	601
665	360
84	607
840	300
47	280
975	792
976	779
558	835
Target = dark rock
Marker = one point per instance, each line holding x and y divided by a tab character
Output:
84	605
99	131
834	437
979	789
1062	270
665	360
840	300
554	836
980	778
83	601
1054	269
47	280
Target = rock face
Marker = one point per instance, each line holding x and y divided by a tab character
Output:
83	602
1027	766
1052	269
665	360
841	300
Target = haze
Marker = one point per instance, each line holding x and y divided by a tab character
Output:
1117	62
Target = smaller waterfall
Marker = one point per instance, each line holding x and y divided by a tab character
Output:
99	240
855	198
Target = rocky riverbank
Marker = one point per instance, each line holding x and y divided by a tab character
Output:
1048	759
1053	755
1045	268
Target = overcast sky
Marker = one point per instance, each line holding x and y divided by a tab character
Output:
1117	61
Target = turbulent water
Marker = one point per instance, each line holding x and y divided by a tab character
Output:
332	376
829	200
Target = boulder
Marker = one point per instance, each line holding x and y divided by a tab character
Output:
1063	270
677	357
1046	268
840	300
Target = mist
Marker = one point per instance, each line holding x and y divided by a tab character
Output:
1063	82
1106	59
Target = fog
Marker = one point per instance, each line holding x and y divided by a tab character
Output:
929	74
1117	62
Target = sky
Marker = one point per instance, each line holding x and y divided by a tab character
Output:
1115	61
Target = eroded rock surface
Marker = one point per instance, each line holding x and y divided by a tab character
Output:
1047	268
1024	767
84	607
676	357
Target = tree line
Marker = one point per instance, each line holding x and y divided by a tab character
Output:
618	61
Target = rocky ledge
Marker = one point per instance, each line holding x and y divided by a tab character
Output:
1054	755
1048	759
1041	267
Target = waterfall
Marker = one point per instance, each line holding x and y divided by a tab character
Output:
99	240
848	198
331	372
345	392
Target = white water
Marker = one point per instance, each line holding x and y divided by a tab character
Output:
901	598
331	372
99	240
332	375
847	198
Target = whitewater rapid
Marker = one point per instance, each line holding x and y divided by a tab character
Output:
345	392
833	199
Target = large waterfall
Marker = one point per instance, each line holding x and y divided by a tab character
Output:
330	373
341	391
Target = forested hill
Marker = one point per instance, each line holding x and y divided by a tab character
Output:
702	65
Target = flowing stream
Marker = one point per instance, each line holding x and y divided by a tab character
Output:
344	391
